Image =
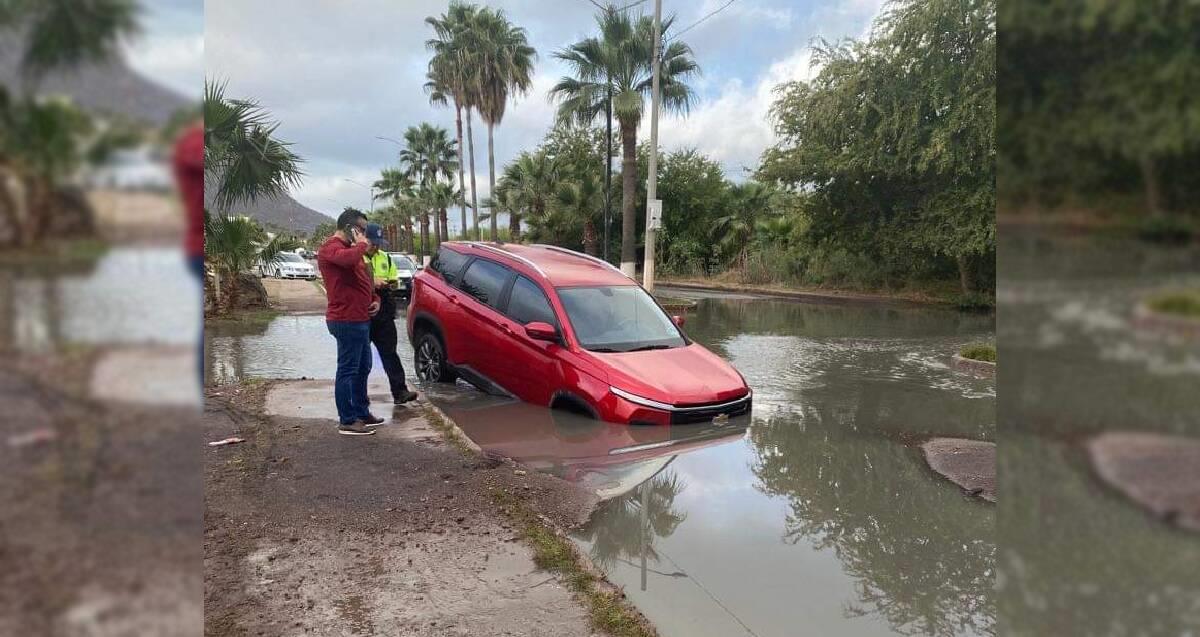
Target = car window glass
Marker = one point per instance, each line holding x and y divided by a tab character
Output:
485	281
448	263
527	304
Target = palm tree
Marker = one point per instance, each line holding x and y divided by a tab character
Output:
581	199
428	156
528	181
449	77
442	195
66	33
243	160
502	63
621	58
234	244
748	202
396	186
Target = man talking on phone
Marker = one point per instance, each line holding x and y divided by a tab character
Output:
351	304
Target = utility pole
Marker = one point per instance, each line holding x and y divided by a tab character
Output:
653	206
607	166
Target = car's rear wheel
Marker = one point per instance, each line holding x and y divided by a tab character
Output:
430	359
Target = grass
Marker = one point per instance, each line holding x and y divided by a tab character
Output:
607	609
251	318
1185	304
448	431
979	352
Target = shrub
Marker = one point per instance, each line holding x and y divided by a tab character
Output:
1178	303
979	352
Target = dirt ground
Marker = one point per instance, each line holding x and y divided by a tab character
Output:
971	464
295	295
102	510
309	532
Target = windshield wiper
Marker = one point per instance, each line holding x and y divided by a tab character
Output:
605	350
648	347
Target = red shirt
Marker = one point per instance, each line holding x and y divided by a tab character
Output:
189	174
348	284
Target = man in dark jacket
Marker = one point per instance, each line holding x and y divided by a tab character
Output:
351	303
383	324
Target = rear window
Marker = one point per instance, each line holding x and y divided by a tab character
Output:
527	303
485	281
448	263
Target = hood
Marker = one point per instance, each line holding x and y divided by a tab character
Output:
680	376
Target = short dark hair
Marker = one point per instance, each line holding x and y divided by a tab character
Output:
349	216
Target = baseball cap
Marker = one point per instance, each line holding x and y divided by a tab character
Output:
375	235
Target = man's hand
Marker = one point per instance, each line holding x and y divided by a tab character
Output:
359	236
373	308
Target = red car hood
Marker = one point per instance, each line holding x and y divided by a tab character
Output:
680	376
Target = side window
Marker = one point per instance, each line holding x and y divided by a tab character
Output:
527	304
448	263
485	281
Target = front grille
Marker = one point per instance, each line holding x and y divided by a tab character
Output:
706	414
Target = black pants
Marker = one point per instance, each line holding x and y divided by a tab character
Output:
383	335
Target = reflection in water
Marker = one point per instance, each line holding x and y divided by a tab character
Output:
1076	558
816	518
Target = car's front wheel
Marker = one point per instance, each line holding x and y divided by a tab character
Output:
430	359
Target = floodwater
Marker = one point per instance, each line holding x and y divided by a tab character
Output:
1077	558
815	515
129	295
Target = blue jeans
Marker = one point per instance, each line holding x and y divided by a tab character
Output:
353	367
196	267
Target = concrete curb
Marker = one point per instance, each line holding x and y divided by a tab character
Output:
972	366
814	297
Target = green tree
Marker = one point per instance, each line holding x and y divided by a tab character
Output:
396	186
621	58
449	79
695	194
233	245
894	139
580	200
526	186
734	231
428	156
243	160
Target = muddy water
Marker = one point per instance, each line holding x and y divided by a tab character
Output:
813	516
129	295
1077	558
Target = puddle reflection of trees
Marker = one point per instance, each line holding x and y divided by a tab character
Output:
633	521
922	557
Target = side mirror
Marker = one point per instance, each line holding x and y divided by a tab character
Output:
540	331
677	320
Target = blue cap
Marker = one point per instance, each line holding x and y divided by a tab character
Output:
375	235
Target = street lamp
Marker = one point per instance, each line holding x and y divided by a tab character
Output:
371	188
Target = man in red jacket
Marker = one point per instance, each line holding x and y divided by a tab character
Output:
351	303
188	164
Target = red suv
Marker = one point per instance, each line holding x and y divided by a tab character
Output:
558	328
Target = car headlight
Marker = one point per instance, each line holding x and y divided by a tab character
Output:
638	400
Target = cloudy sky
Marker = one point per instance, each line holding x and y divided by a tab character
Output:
170	48
339	73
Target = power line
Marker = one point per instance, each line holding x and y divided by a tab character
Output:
697	22
615	9
631	5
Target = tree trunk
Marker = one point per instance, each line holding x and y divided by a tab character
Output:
1150	180
589	237
437	229
424	237
492	181
462	188
409	239
628	192
514	227
445	220
964	274
14	208
474	196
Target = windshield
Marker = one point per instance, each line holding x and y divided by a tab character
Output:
402	263
618	319
291	257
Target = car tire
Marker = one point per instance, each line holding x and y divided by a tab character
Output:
429	358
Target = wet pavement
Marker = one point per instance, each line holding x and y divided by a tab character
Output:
815	515
1079	557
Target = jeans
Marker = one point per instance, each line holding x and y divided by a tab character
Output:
353	367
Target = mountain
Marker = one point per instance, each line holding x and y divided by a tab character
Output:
277	213
110	88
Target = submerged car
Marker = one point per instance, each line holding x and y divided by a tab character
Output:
558	328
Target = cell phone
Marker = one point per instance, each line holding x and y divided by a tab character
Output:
349	230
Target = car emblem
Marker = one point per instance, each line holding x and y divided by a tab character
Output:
721	419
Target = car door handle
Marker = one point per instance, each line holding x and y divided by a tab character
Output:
453	298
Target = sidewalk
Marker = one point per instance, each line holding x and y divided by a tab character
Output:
398	533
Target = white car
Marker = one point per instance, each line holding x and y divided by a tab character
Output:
290	266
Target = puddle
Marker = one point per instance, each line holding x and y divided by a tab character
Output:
807	513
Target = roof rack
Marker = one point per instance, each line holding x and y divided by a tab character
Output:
484	246
578	254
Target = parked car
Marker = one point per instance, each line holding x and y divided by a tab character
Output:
405	268
557	328
289	266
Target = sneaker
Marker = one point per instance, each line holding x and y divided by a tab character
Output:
355	429
407	396
371	419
